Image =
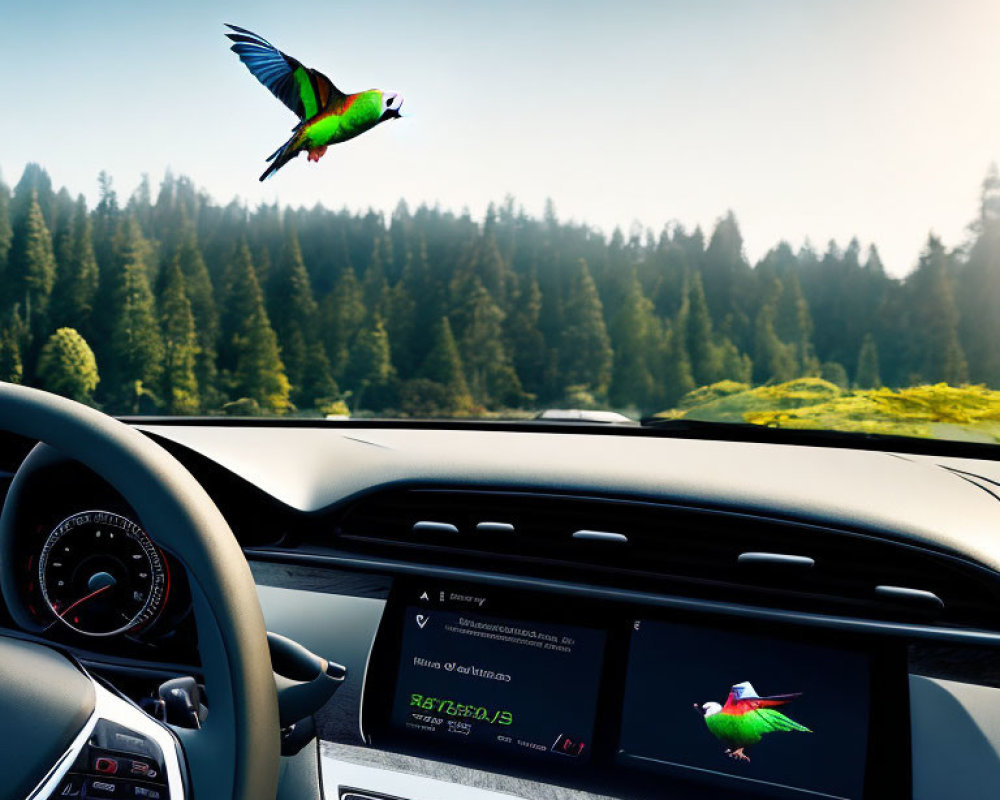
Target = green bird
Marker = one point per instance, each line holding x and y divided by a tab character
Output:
746	717
326	115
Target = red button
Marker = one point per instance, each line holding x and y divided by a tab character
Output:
107	766
142	768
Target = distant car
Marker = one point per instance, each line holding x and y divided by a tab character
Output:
585	415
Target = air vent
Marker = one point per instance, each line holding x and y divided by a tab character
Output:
707	553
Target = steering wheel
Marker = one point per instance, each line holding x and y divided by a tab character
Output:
49	706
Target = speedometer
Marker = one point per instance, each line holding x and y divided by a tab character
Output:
101	575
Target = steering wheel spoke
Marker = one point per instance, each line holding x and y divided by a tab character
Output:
121	752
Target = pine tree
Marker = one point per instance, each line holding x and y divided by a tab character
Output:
369	370
318	386
490	375
443	365
343	314
75	291
977	294
834	372
374	282
736	366
937	354
201	295
35	185
135	349
248	352
106	220
674	377
32	267
488	265
11	368
989	199
706	356
529	354
180	346
399	323
712	355
63	213
140	206
423	285
728	278
635	332
873	263
794	324
293	311
296	317
584	347
6	233
67	366
774	360
867	374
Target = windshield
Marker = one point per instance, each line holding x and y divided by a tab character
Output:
778	213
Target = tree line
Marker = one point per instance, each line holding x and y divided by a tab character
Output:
171	303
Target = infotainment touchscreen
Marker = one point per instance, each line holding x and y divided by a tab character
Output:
738	707
514	685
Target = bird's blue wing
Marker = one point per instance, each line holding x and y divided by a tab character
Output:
303	90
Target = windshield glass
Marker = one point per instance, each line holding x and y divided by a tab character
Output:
778	213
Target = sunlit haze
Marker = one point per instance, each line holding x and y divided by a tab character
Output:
818	120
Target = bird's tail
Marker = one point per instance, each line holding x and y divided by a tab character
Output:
780	722
282	155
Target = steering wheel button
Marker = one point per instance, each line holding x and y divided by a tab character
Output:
72	786
129	743
104	790
106	766
143	769
147	793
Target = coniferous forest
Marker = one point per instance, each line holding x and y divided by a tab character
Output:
166	302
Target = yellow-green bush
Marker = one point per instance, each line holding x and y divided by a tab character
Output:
728	401
714	391
937	411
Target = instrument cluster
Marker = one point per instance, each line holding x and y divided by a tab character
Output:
88	574
96	574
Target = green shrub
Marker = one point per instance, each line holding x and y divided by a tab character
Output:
67	366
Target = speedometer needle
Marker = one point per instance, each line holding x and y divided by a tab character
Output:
84	599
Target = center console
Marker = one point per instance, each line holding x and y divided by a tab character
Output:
624	699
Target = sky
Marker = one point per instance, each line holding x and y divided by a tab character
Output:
810	119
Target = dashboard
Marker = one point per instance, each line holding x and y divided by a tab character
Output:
567	614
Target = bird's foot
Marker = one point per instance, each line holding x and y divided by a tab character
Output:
738	755
316	153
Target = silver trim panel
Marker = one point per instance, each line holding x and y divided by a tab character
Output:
600	536
910	595
429	526
494	527
776	559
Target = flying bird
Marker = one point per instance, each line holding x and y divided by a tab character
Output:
746	717
326	115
